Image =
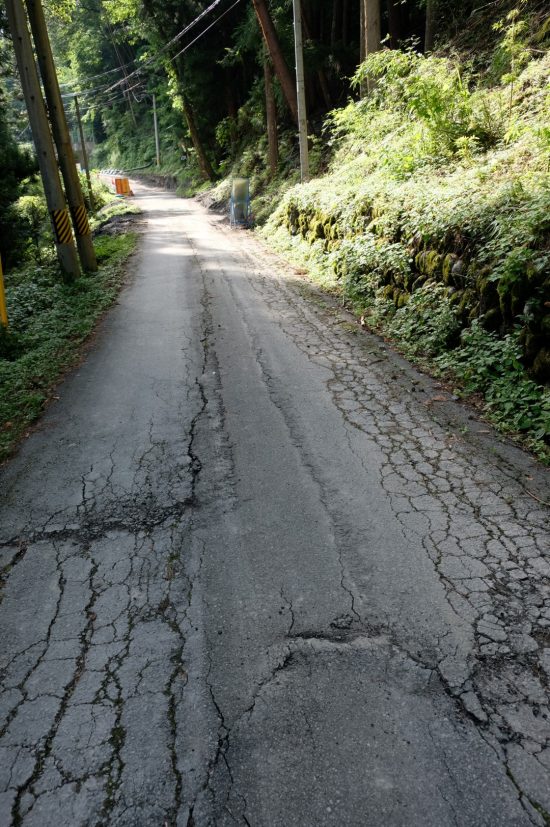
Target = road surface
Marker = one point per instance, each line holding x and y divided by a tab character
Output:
257	570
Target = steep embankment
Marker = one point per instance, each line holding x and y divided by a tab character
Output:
434	221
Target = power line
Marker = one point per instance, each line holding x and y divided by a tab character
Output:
205	30
171	42
100	75
105	89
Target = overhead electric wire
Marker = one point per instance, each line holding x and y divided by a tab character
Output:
84	92
100	75
205	30
98	91
173	40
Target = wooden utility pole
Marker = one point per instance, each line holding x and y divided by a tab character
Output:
301	91
155	123
277	57
65	248
271	117
84	152
61	136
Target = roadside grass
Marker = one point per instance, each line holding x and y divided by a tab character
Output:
110	211
431	222
48	323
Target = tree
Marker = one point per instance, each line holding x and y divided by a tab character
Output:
271	118
371	33
277	58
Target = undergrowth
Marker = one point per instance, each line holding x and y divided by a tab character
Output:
48	322
491	366
433	221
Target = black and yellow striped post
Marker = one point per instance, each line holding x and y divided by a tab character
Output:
38	119
61	226
83	235
80	220
62	139
3	309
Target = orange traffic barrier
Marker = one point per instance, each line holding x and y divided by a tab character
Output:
122	186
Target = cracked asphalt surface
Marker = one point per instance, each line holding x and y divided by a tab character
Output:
255	571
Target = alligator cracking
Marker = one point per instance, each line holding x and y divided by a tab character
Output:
487	540
115	628
114	633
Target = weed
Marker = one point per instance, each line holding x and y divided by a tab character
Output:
427	325
433	218
48	322
491	366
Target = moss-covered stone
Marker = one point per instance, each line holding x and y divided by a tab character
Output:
544	324
530	343
458	273
474	312
456	298
316	230
468	301
428	262
488	294
447	267
418	282
398	278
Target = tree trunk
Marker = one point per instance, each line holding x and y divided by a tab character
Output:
271	116
363	89
232	111
370	34
279	64
430	25
204	163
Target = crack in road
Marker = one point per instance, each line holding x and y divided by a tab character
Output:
499	536
98	678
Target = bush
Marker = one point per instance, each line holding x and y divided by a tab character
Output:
432	94
32	214
427	325
47	322
491	366
434	218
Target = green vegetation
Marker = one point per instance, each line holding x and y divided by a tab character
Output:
17	163
49	321
430	200
48	318
433	221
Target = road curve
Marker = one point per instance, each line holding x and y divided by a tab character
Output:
256	570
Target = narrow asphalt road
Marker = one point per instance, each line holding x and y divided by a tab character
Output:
255	571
